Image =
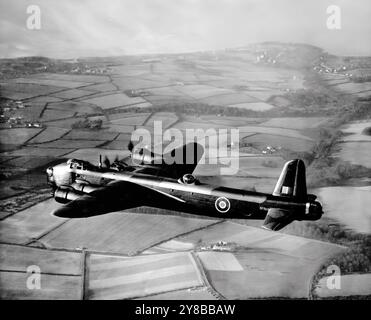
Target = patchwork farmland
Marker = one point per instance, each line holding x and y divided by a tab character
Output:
48	117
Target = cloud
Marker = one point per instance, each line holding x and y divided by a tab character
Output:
72	28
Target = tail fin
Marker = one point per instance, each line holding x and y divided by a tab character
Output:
292	182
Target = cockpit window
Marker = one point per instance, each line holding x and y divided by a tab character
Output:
77	164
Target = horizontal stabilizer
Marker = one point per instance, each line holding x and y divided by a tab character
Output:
277	219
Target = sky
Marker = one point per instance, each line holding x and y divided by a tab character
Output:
81	28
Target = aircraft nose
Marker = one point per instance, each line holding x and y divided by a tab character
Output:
49	171
49	175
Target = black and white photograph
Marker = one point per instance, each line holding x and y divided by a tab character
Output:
174	150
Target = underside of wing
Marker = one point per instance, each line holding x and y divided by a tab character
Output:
115	196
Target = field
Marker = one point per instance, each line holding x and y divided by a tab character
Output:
17	136
114	100
119	232
49	134
92	155
55	287
30	224
354	88
219	261
356	143
29	162
164	269
201	91
275	131
356	153
71	77
60	273
90	135
348	205
72	94
20	91
16	258
295	123
350	285
77	107
36	152
70	144
170	246
167	119
355	131
51	82
263	265
262	140
123	278
200	293
229	99
129	119
255	106
54	114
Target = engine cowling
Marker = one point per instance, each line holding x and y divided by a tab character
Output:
83	187
65	195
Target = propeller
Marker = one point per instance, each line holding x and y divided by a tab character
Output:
130	146
100	161
107	162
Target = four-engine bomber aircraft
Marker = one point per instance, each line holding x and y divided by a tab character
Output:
88	190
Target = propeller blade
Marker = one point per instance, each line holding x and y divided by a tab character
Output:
130	146
107	162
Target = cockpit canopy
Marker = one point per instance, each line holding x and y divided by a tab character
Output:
78	164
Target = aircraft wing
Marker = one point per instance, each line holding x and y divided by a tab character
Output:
175	163
115	196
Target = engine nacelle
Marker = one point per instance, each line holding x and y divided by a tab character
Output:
65	195
82	187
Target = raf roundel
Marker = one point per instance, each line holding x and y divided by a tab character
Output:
222	204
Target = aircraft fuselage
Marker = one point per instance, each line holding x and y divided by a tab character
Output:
196	198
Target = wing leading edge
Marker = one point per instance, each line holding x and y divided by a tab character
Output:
115	196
